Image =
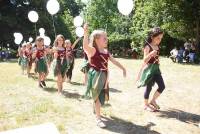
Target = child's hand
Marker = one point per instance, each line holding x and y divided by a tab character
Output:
154	53
124	73
85	28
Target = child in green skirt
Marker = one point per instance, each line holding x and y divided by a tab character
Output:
40	59
60	64
97	75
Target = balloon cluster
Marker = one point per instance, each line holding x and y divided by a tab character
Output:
18	38
78	21
125	7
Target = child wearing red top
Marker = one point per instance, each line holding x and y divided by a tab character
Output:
97	75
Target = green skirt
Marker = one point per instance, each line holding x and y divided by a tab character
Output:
60	68
19	61
24	62
85	67
148	74
49	57
96	85
41	66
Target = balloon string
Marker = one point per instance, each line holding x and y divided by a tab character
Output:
54	26
35	31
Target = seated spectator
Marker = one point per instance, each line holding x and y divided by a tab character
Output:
180	55
174	53
192	54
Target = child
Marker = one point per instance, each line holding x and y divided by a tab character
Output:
41	64
85	68
20	54
28	53
60	61
151	73
70	57
97	75
24	59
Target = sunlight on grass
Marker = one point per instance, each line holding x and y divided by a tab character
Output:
23	104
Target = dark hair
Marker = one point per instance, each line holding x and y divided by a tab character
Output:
153	33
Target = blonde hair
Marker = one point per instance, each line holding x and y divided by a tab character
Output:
96	35
38	39
56	40
68	41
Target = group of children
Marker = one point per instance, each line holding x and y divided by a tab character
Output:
60	57
95	68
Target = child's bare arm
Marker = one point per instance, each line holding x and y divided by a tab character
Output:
90	51
77	40
115	62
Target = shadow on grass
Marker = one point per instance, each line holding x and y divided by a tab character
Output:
52	80
107	104
72	95
114	90
181	116
76	83
50	89
121	126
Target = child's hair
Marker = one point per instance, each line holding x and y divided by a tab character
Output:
56	40
95	35
153	33
67	41
39	38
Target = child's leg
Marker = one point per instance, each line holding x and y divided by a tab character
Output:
85	78
100	123
147	93
146	98
59	83
97	109
161	86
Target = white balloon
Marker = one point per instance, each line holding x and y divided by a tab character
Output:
78	21
47	41
53	6
42	31
33	16
79	32
30	39
17	41
125	6
18	38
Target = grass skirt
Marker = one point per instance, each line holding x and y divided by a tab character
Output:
147	74
85	67
24	63
41	66
60	68
96	85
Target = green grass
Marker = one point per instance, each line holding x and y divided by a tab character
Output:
23	104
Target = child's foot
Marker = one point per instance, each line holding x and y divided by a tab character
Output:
43	83
40	85
155	105
100	123
149	108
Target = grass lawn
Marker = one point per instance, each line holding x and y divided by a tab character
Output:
23	104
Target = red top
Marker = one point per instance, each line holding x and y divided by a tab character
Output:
100	61
70	52
40	54
154	60
28	54
62	53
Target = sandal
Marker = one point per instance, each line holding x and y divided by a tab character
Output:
149	108
155	105
100	123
